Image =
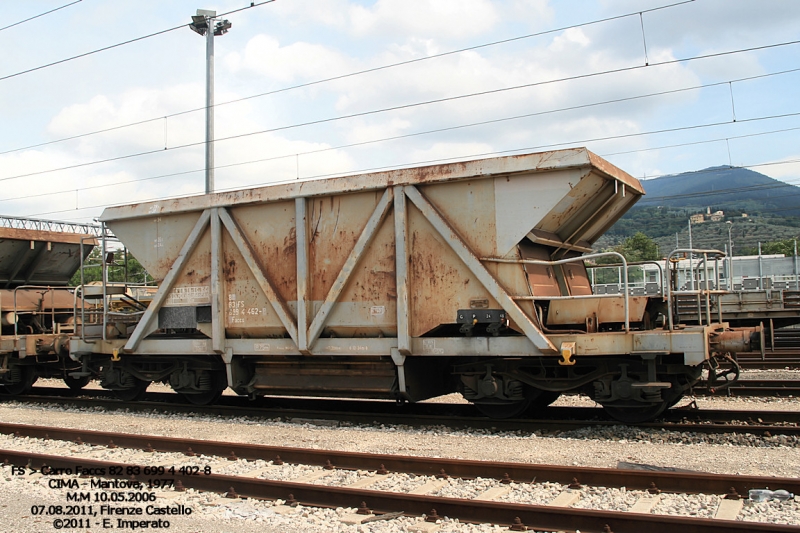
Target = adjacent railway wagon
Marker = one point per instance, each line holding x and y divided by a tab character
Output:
404	284
37	260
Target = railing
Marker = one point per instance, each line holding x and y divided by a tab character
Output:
50	225
101	293
633	286
573	260
699	292
52	313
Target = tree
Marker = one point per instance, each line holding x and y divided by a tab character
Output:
116	271
640	247
785	247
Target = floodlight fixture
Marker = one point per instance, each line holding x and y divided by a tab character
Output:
199	24
222	27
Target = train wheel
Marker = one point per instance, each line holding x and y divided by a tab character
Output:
134	393
504	409
23	378
634	413
202	398
77	383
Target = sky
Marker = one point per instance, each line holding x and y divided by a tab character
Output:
312	89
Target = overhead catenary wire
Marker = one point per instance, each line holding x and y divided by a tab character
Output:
407	106
39	15
348	75
397	137
123	43
359	171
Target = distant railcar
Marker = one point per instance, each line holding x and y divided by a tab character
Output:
37	308
749	290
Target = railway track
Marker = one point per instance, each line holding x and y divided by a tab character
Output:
553	420
358	480
779	358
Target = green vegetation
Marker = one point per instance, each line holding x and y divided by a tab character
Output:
116	271
669	228
636	248
785	247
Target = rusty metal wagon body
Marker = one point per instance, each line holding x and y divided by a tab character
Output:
402	284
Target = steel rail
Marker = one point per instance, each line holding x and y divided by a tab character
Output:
455	416
694	482
538	516
757	387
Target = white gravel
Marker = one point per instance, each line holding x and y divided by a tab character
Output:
600	447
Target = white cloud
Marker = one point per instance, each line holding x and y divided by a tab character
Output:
433	18
264	56
537	14
363	131
571	38
446	150
787	169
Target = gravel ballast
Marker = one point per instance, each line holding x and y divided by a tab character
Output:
598	447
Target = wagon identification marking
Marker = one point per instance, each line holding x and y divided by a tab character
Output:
190	295
200	346
429	346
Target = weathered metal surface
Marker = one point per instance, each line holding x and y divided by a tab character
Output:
40	257
369	264
36	300
527	163
165	290
604	310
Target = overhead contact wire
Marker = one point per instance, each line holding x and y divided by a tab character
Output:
39	15
129	41
349	75
408	106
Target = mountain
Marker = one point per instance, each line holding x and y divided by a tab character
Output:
725	189
760	209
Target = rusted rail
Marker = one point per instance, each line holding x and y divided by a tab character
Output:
689	482
537	516
772	360
456	416
766	388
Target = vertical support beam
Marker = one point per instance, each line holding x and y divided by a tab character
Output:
473	263
217	307
301	235
166	285
364	240
401	270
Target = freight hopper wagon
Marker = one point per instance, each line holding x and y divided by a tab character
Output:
404	284
37	260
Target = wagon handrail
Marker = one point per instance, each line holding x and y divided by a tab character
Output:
46	288
574	260
692	251
662	279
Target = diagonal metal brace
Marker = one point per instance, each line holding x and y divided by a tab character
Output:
364	240
168	282
277	302
475	266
